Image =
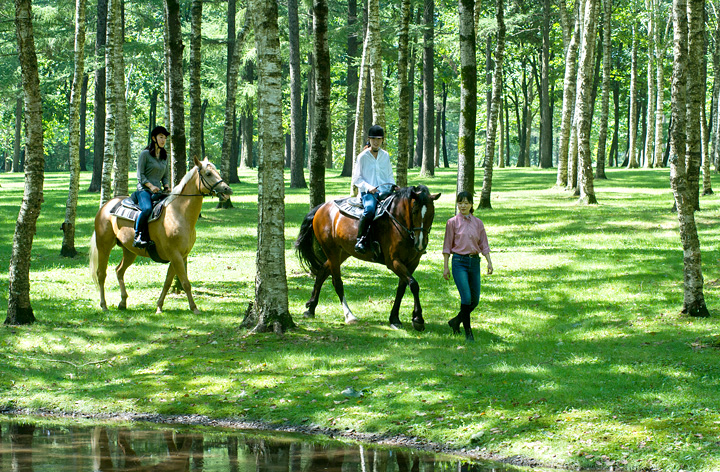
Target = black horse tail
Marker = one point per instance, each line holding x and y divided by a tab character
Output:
308	250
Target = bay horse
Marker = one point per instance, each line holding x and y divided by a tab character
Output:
327	238
173	233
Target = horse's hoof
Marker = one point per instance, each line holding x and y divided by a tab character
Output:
397	325
158	311
419	325
196	311
350	319
308	314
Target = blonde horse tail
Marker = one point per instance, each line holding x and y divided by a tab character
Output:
93	263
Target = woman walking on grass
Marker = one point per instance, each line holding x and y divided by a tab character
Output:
465	240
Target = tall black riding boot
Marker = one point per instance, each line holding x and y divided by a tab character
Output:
465	311
455	322
363	230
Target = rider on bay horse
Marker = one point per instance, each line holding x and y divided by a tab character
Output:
372	175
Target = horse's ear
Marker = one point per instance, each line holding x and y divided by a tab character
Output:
436	196
197	161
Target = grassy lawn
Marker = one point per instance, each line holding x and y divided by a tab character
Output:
581	356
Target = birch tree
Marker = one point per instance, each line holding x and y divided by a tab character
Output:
176	89
684	144
468	98
19	311
196	124
121	141
376	75
584	111
404	105
99	97
569	88
632	138
494	106
427	167
650	6
68	226
269	311
605	100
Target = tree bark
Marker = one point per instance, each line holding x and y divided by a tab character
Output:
494	107
83	121
297	176
651	86
632	131
584	111
99	98
18	134
121	142
427	168
269	311
546	119
468	98
404	105
19	310
569	89
376	75
177	92
684	142
321	135
195	142
605	100
68	226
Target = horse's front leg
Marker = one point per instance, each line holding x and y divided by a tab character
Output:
178	265
417	320
127	260
166	288
340	290
395	322
404	273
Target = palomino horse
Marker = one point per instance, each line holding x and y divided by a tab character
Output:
327	238
173	233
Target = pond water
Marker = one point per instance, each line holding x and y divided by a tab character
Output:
66	447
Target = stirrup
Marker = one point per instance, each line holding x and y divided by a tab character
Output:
139	242
361	245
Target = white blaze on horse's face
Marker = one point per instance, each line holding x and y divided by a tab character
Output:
420	245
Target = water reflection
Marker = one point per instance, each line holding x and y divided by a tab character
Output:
25	447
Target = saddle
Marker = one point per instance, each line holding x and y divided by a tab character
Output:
352	206
128	208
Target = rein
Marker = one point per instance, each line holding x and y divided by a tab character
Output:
206	185
410	232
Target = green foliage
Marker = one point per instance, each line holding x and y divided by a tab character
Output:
581	358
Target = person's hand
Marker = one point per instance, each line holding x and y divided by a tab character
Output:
490	268
166	189
153	189
446	273
373	190
395	188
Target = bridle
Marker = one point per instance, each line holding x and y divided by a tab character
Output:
410	231
206	184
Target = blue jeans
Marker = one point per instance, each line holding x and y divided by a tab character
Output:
145	203
370	203
466	273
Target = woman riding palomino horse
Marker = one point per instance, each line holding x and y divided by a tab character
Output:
173	233
327	238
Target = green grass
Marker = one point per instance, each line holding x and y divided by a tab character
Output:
581	360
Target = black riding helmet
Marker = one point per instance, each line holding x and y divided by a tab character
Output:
376	131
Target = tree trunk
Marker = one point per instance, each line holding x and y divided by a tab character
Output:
376	75
651	87
68	226
297	176
99	98
584	111
83	121
494	107
546	119
247	122
632	130
321	134
195	142
427	168
177	92
569	88
352	87
110	110
404	105
269	311
468	98
121	143
19	310
18	134
715	111
686	99
605	100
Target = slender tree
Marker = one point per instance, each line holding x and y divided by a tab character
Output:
375	52
651	87
297	176
177	89
569	88
269	311
428	88
18	134
605	100
404	99
195	65
321	136
584	111
684	144
468	98
546	119
494	107
19	308
68	226
632	139
99	98
121	143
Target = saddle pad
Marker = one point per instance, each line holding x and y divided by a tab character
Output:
128	210
352	206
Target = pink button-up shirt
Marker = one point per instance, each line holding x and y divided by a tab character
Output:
465	235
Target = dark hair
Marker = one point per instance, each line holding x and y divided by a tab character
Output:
464	195
151	145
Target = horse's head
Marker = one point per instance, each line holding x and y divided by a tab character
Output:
421	214
210	181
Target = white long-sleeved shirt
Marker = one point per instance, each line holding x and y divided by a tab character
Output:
370	172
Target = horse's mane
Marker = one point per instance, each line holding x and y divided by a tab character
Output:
177	190
409	193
